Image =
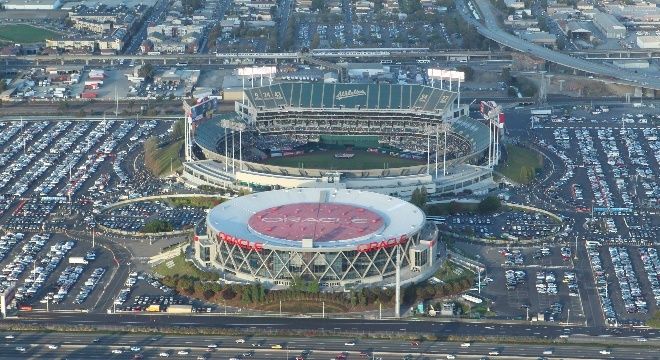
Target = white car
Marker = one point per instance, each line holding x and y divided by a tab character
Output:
642	339
9	337
183	352
20	348
547	352
451	357
212	346
135	348
465	345
493	353
350	343
240	341
53	347
117	351
164	354
605	352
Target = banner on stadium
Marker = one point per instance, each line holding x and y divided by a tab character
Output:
203	109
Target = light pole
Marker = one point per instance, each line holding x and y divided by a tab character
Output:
323	315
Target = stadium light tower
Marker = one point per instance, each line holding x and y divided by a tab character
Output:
234	126
495	116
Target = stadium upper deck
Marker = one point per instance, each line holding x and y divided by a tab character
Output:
350	96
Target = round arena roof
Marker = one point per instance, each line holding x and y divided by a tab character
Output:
315	217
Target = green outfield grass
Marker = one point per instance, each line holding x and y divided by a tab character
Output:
22	33
326	160
521	164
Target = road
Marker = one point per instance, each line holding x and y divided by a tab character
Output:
84	346
492	30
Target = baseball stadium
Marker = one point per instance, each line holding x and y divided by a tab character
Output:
340	238
385	138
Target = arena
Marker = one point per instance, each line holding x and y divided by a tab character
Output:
385	138
339	238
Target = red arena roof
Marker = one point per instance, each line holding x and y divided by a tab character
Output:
316	221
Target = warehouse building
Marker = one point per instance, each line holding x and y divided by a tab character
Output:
648	42
609	26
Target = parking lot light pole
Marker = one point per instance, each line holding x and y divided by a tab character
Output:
576	247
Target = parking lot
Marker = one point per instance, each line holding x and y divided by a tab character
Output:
510	224
534	283
53	174
132	217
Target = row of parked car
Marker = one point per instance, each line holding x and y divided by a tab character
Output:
601	192
15	268
15	167
93	161
124	293
38	161
7	242
40	274
615	160
571	281
89	285
631	292
65	282
652	267
514	278
69	152
546	283
607	306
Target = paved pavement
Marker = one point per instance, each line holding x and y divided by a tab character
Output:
100	346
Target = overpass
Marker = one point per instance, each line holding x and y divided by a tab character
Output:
491	30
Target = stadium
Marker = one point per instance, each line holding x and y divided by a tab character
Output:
385	138
339	238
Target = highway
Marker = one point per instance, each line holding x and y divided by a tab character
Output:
94	346
492	30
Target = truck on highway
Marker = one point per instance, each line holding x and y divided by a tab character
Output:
78	260
179	309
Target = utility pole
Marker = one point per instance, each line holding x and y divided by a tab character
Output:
323	314
397	303
576	247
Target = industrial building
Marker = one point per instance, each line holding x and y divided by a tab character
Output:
609	26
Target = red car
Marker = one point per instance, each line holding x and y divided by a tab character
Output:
415	343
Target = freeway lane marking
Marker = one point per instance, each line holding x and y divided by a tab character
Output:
255	324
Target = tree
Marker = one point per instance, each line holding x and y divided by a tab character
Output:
419	197
467	70
489	205
146	71
189	6
157	226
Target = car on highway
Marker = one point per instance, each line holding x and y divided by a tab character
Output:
135	348
276	346
493	353
53	347
9	337
240	341
183	352
465	345
138	357
642	339
212	346
201	357
547	352
349	343
164	354
451	357
414	343
21	349
117	351
605	352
